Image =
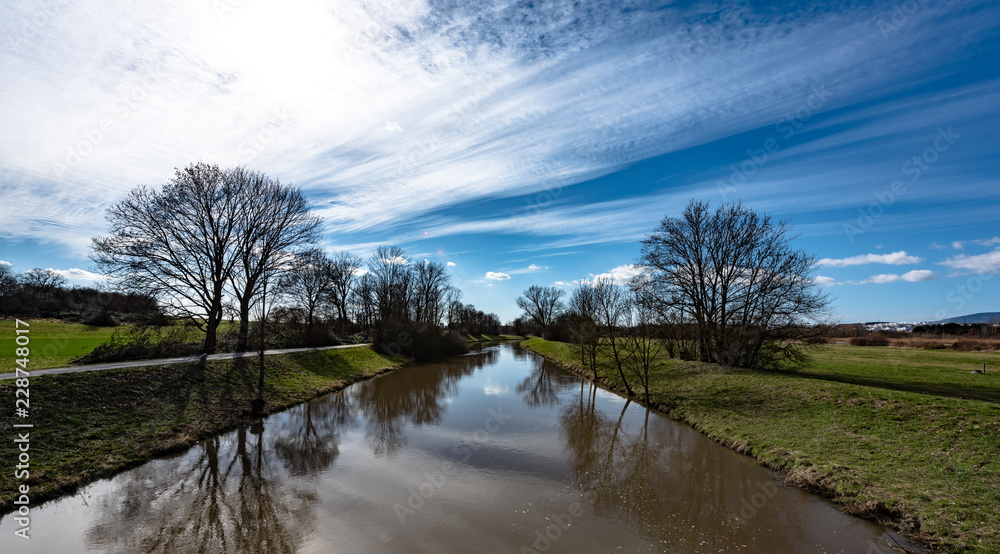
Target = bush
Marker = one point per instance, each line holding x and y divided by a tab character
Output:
559	330
876	339
419	341
143	342
817	340
970	345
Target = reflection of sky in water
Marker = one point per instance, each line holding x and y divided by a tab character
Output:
492	388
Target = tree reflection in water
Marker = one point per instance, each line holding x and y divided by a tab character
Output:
538	389
222	496
310	443
416	396
668	481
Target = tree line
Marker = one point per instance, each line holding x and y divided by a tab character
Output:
44	293
722	287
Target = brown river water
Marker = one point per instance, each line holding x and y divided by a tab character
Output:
496	451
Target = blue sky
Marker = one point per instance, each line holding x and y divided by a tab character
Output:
529	142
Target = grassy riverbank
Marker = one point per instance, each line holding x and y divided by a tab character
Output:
92	425
907	438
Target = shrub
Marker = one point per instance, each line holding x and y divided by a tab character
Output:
876	339
970	345
817	340
419	341
143	342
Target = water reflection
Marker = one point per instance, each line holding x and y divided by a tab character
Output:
538	388
677	488
310	442
417	396
227	497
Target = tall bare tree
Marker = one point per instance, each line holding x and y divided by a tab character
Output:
274	220
613	308
431	283
363	299
177	244
344	274
583	325
735	274
308	283
392	281
643	339
542	304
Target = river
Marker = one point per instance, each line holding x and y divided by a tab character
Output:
496	451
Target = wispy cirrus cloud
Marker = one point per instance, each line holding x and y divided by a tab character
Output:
399	110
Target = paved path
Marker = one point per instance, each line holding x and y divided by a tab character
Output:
168	361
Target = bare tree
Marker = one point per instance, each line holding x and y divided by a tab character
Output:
642	338
750	295
391	279
612	309
542	304
176	244
344	273
309	283
274	219
431	283
42	280
8	288
583	325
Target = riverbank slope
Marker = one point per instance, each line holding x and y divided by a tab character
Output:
92	425
887	443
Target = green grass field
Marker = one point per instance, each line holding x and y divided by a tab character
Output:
58	343
53	343
906	437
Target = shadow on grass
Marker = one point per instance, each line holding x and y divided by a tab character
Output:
961	391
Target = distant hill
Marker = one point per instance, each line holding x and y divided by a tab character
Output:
984	317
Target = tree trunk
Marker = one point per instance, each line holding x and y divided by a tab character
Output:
211	328
243	339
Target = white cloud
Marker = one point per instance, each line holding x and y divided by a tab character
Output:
981	263
561	283
619	275
396	260
451	264
79	274
495	276
914	276
896	258
958	245
995	241
4	262
824	281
